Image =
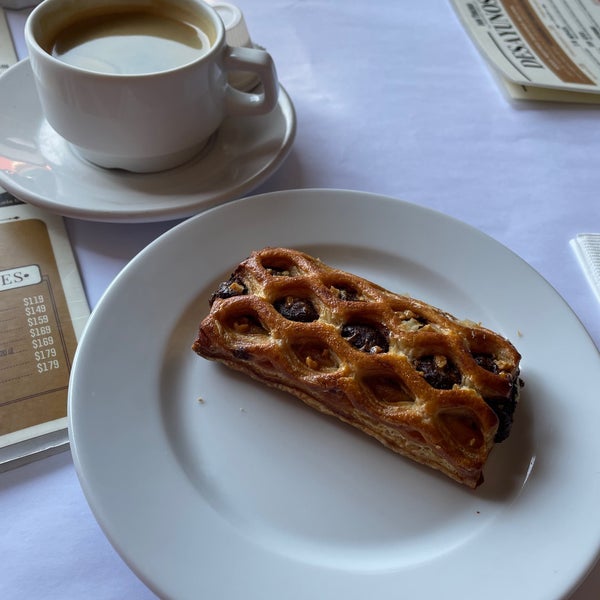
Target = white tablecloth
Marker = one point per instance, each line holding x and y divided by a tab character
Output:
391	97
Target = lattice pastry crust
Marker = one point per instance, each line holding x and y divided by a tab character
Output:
426	385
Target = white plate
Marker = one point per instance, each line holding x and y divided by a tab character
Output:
39	167
213	486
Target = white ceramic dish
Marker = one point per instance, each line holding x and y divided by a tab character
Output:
213	486
39	167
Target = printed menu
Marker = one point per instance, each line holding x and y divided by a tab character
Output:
43	310
539	49
42	313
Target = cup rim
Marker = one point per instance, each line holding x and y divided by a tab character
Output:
34	46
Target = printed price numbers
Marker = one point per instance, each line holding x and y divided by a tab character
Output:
45	354
49	365
33	300
40	320
41	334
42	342
38	331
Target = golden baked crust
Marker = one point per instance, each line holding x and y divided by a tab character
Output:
426	385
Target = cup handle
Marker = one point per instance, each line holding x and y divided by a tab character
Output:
256	61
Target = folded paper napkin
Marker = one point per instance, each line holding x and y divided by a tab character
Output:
587	250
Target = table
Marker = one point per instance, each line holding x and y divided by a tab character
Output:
392	98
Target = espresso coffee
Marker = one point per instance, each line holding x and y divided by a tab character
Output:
130	43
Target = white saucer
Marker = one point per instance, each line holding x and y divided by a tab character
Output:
39	167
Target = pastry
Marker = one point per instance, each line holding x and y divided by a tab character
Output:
436	389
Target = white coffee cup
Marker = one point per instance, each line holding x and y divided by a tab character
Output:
156	113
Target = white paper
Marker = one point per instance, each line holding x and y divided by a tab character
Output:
7	51
587	250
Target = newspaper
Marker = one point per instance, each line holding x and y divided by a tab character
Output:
43	310
539	49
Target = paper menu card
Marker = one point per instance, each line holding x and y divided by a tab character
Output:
42	313
43	310
539	49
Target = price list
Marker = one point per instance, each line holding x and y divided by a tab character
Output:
37	340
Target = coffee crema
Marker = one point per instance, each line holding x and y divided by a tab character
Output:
130	43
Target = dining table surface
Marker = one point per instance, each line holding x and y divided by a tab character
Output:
391	98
